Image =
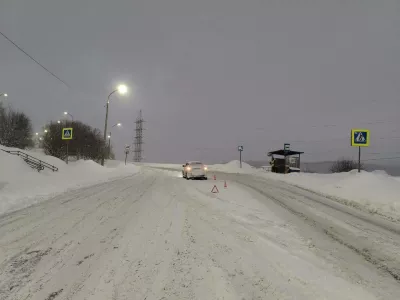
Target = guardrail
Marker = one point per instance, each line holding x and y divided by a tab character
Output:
33	162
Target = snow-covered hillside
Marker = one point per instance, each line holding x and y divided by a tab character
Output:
20	185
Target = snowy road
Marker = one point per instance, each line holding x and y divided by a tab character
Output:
156	236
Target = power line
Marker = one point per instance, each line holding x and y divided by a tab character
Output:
334	139
334	125
43	67
381	158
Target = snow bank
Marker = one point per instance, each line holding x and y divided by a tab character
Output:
21	186
232	167
162	166
375	192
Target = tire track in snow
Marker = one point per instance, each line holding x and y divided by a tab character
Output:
295	201
61	257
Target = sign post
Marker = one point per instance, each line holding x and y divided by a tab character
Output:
240	149
127	148
359	138
67	135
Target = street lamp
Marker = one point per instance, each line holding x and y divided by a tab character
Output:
46	131
121	89
109	139
59	122
67	113
4	95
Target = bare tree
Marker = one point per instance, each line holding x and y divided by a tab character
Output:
344	165
15	128
87	142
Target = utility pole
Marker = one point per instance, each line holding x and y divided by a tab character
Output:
109	144
138	139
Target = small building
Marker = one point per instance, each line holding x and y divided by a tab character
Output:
285	161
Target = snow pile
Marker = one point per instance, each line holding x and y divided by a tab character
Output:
21	186
375	192
162	166
232	167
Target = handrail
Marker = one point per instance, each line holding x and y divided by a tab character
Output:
33	160
34	165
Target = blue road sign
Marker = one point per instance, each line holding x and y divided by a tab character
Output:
67	133
360	137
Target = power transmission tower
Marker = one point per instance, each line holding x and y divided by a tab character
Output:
138	139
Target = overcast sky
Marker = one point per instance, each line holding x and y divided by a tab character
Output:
210	75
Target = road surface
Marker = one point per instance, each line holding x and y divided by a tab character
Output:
157	236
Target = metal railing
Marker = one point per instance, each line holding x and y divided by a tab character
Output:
33	162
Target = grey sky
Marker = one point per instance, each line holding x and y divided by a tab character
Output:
210	75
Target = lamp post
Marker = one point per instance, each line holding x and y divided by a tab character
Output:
121	89
109	139
67	113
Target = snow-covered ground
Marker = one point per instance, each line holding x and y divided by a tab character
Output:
233	167
375	192
230	167
20	185
157	236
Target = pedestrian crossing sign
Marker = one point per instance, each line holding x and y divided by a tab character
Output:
359	137
67	134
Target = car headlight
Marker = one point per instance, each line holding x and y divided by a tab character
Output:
205	168
188	168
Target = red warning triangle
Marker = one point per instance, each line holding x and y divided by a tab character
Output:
214	189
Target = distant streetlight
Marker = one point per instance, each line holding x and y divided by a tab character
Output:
46	131
121	89
4	95
109	138
37	133
67	113
59	122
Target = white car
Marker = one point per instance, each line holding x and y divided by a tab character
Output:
194	169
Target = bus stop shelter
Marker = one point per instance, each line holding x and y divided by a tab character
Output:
285	161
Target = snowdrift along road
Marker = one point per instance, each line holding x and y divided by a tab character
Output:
155	236
21	186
